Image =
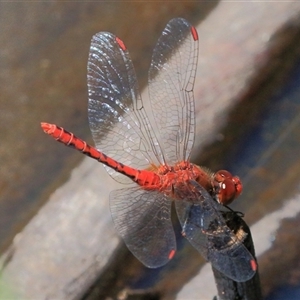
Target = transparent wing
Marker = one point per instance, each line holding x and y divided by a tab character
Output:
171	81
205	228
143	219
117	119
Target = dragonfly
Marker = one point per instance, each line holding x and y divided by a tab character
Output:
149	148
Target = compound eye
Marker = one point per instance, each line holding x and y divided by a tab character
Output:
227	192
228	187
221	175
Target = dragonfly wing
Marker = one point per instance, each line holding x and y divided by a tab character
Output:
117	119
143	219
171	82
205	228
234	260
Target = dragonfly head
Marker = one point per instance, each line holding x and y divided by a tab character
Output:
228	187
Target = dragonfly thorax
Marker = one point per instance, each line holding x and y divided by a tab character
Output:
175	180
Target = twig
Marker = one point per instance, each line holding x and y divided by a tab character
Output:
227	288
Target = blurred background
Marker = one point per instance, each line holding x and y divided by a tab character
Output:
247	101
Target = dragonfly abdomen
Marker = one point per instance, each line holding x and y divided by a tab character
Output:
144	178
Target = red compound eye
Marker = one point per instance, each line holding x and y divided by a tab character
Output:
228	187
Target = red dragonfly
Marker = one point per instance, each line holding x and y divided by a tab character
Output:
158	164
